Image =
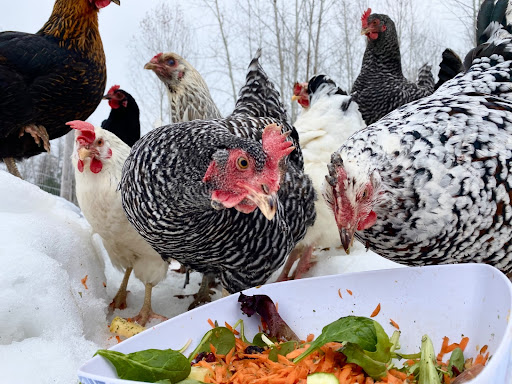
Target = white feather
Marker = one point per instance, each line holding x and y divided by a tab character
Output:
323	128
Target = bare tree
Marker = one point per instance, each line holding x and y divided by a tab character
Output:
163	29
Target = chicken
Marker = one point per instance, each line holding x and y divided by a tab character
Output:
189	96
223	196
49	78
98	158
381	86
329	118
431	182
124	118
450	66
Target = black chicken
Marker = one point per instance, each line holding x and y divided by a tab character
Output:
381	86
192	189
124	118
49	78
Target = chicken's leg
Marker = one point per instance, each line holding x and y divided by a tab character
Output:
292	257
120	297
11	167
146	312
39	133
305	263
204	294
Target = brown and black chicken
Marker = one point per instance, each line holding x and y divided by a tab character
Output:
48	78
225	196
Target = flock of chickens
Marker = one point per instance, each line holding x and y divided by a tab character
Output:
420	173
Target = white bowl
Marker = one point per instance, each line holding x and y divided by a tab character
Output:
473	300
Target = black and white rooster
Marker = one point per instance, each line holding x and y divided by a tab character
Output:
431	183
225	196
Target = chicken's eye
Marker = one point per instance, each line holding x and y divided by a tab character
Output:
100	143
242	163
365	194
171	62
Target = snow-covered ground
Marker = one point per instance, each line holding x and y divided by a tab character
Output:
50	323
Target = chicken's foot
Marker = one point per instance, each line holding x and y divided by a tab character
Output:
39	133
204	294
11	167
119	300
305	256
292	257
146	312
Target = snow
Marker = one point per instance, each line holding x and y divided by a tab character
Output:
50	322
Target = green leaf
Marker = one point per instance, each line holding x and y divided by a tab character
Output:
456	360
357	330
427	372
281	349
220	337
355	354
258	341
149	365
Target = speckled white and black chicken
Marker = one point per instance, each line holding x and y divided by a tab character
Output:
431	183
193	189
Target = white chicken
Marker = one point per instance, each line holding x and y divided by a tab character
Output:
329	118
98	158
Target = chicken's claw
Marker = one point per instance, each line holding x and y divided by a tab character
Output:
38	132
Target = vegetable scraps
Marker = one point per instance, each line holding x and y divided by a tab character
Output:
350	350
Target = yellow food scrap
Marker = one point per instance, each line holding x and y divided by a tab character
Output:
123	327
199	373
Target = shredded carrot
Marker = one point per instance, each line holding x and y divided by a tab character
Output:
349	292
483	350
213	349
235	332
339	293
239	367
212	324
118	339
463	343
277	306
394	324
104	285
376	311
84	281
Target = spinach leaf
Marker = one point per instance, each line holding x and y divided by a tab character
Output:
427	372
220	337
149	365
358	330
355	354
281	349
456	360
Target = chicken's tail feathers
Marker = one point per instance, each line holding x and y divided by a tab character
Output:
449	67
258	97
491	11
494	31
320	85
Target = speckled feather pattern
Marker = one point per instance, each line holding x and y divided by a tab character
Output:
381	86
169	205
445	169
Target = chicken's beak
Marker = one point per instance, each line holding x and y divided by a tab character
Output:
116	2
365	31
150	65
347	238
295	97
107	97
83	153
267	203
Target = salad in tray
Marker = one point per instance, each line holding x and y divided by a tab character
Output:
349	350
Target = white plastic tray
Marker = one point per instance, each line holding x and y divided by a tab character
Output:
474	300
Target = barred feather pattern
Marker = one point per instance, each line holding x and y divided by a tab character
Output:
381	86
166	200
445	168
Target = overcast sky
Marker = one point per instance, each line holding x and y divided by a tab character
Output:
119	23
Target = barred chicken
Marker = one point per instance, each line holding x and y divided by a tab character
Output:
98	158
430	183
224	196
188	93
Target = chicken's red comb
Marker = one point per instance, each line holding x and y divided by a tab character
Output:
275	144
155	58
364	18
86	129
113	89
298	87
